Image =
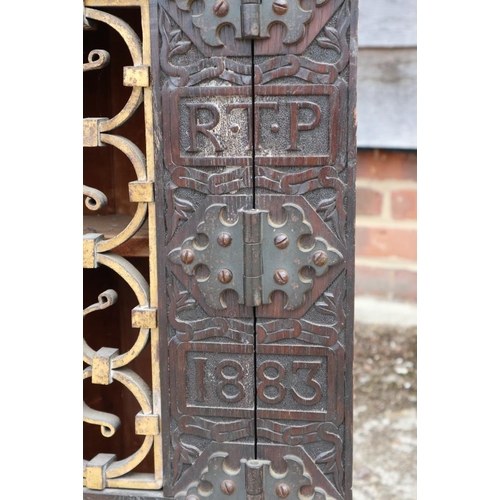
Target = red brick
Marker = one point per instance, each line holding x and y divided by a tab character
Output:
386	242
405	286
368	201
386	164
374	282
404	204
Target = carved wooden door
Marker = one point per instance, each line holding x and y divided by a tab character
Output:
255	145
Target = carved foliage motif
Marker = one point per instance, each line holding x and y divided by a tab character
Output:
205	328
331	303
297	435
174	45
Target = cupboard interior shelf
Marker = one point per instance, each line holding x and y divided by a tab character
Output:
111	225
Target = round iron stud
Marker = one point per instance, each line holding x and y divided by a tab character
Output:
280	7
320	258
192	497
224	239
282	490
227	486
187	256
281	240
220	8
281	277
225	276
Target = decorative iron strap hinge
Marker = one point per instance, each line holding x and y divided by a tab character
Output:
254	480
253	255
251	19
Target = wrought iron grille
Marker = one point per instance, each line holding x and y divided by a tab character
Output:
113	365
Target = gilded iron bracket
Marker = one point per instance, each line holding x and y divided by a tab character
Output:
254	256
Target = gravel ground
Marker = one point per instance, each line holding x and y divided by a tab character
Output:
385	400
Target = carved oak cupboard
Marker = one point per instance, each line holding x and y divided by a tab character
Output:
218	249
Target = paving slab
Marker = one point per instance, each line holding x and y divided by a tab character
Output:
385	412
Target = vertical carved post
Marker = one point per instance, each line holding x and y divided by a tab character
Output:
256	316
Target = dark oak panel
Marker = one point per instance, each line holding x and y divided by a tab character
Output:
249	128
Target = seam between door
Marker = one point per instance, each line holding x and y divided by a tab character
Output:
254	205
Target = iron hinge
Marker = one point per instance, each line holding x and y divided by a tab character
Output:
257	16
247	252
252	256
251	19
253	480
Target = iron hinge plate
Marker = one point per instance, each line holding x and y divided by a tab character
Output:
251	19
254	255
255	480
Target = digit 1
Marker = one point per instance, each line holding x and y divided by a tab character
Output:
200	378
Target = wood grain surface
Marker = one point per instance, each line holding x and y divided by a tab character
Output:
256	124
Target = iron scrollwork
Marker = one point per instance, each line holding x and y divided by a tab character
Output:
107	365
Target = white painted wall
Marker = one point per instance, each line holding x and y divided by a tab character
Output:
387	23
387	74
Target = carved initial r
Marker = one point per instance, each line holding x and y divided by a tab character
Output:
203	128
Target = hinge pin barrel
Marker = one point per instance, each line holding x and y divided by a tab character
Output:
250	19
252	256
254	480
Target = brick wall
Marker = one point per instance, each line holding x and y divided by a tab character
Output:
386	225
